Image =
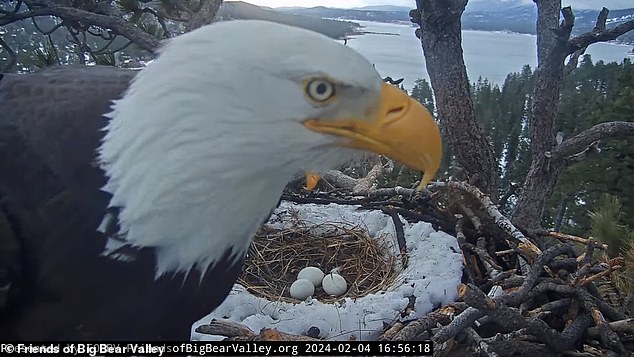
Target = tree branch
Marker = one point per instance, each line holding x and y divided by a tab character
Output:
204	14
579	142
567	23
594	36
601	19
527	248
117	24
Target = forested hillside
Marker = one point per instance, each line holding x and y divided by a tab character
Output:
593	93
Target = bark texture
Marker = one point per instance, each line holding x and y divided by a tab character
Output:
206	14
548	159
544	171
441	40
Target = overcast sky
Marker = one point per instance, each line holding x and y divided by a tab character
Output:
580	4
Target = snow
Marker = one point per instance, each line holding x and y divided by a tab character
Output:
434	271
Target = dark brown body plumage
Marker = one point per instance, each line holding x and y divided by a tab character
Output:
50	207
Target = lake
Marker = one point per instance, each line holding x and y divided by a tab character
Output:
488	54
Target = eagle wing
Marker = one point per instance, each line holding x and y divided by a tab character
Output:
50	207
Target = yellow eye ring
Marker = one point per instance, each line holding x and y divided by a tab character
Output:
320	90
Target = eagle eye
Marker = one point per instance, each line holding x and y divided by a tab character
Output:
320	90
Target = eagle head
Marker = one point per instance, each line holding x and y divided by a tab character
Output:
200	147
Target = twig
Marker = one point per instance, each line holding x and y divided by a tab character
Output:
572	238
225	328
237	332
527	248
389	334
481	343
504	252
459	323
516	297
415	329
561	304
577	143
597	276
475	220
512	319
608	337
621	326
120	25
599	34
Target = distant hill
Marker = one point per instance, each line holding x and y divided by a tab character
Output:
522	19
399	15
233	10
383	8
494	15
495	5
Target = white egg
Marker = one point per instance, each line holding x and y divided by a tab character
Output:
301	289
314	275
334	284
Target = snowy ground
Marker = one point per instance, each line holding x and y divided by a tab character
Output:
432	275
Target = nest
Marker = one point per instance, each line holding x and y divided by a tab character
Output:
277	255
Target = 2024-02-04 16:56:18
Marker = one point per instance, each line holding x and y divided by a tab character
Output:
376	347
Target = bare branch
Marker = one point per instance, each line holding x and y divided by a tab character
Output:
565	29
117	24
601	19
572	238
458	324
48	32
589	38
111	52
481	343
512	319
11	18
579	142
626	326
517	296
529	249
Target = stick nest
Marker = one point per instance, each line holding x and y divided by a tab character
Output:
277	255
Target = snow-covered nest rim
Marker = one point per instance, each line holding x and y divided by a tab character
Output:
277	255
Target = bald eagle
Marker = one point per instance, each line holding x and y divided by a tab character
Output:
128	199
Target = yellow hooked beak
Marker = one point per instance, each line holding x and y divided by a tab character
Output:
403	130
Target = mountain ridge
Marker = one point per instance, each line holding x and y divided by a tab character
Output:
233	10
499	15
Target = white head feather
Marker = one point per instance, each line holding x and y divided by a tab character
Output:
201	146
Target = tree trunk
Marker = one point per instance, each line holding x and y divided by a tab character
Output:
561	212
542	177
204	16
441	40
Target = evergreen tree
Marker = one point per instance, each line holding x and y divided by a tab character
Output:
595	94
591	94
423	93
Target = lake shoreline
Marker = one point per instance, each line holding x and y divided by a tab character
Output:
488	54
404	23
